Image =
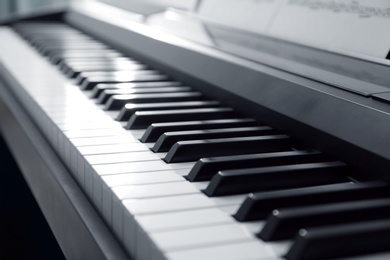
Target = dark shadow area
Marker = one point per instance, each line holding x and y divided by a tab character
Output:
24	232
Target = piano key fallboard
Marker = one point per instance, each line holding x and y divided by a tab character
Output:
177	175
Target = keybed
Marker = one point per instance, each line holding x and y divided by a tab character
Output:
189	199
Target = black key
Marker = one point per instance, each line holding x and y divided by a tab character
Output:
74	71
285	223
165	142
258	206
276	177
118	101
99	88
340	241
91	82
120	75
154	131
106	94
143	119
186	151
129	109
206	168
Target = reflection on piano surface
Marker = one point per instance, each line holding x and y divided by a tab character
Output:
195	137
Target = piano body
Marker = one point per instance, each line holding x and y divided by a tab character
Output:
188	130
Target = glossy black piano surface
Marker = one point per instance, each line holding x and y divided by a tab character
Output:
160	144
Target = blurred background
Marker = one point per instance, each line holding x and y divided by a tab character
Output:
9	8
12	7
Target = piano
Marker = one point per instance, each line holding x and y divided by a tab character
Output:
179	130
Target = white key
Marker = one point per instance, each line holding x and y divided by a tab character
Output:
182	219
110	181
113	114
142	192
93	181
114	148
154	190
121	157
200	237
73	113
138	207
89	125
148	209
81	169
76	118
201	185
142	178
106	140
278	248
156	165
233	202
231	209
93	132
73	160
167	204
245	250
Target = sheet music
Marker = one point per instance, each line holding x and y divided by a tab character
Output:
177	23
250	15
360	26
357	26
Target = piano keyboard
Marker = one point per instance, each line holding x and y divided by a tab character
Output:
177	175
